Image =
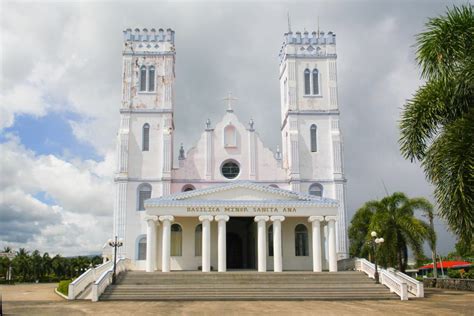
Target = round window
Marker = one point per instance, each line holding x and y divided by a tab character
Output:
230	170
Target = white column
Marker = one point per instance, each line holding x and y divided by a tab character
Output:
277	256
262	242
316	233
206	242
332	243
151	222
166	242
221	242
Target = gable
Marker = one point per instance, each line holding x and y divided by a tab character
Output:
241	194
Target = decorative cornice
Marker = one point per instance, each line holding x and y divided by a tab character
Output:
151	53
145	111
307	112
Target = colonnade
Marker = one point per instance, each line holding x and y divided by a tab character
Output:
166	220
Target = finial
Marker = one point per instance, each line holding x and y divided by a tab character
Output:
229	100
251	123
278	153
208	124
181	153
289	22
318	26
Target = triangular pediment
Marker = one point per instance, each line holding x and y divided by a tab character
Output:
240	191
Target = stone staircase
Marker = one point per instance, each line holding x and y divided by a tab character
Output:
245	285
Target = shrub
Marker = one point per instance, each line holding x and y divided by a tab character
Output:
63	286
453	273
469	274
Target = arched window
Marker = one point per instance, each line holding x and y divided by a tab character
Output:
176	240
230	136
307	87
273	186
142	78
198	241
270	240
188	187
301	240
151	78
316	189
314	138
141	253
315	82
144	193
146	137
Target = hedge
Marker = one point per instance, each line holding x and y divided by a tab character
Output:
63	286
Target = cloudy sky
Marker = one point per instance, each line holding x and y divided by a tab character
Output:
60	95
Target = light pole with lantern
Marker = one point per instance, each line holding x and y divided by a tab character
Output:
376	242
115	244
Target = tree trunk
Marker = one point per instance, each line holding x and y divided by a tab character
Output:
435	268
433	248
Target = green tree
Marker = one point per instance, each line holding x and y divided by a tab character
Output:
359	230
22	265
437	124
36	265
393	218
46	265
427	209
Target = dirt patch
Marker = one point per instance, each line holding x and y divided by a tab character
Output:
40	299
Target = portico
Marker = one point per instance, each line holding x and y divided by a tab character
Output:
277	230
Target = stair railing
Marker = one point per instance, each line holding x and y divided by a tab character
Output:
395	284
82	282
105	279
414	286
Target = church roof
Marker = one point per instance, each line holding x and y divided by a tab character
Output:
282	197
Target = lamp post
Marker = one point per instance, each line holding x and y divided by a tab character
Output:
376	242
115	244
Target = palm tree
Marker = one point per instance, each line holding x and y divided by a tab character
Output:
359	230
393	219
36	264
22	264
437	124
427	209
46	263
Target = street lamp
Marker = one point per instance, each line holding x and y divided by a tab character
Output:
115	244
376	242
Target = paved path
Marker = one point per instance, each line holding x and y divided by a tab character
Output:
40	299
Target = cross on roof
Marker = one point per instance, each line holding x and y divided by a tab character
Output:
229	100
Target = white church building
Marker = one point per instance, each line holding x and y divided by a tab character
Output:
230	202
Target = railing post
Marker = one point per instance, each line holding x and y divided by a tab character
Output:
95	296
93	274
70	293
403	292
420	290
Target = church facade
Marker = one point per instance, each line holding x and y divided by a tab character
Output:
230	202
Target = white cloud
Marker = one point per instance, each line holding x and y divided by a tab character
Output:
82	191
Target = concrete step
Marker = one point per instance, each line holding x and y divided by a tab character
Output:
248	285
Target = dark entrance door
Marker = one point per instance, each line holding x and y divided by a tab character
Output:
241	243
234	251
